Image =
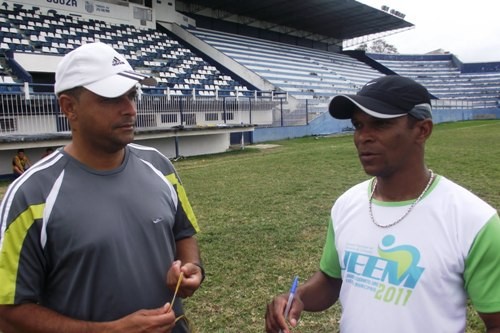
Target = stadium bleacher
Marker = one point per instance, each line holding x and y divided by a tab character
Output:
150	51
302	72
444	79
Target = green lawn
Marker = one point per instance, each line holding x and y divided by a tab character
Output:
263	214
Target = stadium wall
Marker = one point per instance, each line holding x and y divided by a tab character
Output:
481	67
410	57
173	144
326	125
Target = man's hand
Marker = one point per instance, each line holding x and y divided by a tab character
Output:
191	281
33	318
151	321
275	319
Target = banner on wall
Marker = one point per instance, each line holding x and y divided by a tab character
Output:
84	7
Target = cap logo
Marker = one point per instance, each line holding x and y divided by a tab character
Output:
117	61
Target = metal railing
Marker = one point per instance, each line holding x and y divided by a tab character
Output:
39	113
34	113
451	103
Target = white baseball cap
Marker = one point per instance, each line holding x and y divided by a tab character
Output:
98	68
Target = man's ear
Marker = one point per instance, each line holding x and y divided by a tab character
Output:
425	129
67	104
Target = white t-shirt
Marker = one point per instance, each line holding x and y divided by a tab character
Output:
414	276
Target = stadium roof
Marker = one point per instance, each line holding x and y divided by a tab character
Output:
339	19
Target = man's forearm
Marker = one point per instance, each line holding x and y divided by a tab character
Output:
33	318
188	251
319	292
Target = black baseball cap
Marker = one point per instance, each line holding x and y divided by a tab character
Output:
388	96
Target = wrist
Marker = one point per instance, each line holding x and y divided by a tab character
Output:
200	265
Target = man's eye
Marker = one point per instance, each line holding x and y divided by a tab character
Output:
383	123
133	95
109	100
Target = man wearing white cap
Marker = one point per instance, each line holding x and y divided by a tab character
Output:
95	237
406	249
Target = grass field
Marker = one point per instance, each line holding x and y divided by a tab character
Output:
263	214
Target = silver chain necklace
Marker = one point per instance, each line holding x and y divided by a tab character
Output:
431	178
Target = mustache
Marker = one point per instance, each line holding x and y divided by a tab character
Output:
126	123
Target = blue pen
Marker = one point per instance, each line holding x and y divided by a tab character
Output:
291	296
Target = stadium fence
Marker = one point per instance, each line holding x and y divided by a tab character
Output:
34	111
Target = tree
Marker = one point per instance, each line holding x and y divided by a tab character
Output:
381	46
362	47
378	46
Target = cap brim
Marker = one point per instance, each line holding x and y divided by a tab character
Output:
118	84
342	107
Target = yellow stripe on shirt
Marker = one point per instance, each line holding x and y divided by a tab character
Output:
172	178
11	251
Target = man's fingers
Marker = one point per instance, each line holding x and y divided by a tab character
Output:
294	315
275	319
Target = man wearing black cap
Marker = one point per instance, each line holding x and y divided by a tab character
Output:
407	248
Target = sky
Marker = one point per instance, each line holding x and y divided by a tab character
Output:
468	29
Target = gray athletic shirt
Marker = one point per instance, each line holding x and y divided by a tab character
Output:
93	245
